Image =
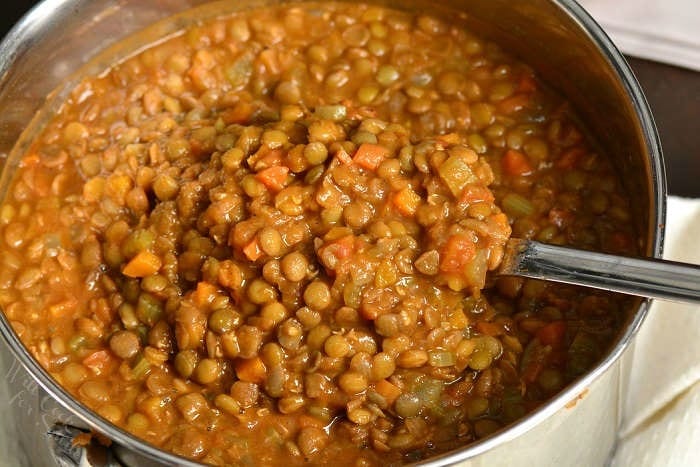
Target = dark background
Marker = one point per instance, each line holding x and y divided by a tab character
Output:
673	94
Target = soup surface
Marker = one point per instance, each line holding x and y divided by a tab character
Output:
265	240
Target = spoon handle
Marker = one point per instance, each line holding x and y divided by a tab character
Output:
653	278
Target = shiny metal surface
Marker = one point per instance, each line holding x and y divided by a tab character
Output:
40	55
652	278
68	453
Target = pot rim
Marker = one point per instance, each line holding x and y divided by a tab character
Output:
19	37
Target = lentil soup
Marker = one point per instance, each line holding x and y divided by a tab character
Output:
267	239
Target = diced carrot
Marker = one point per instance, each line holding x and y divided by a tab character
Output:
515	163
570	159
387	390
251	370
253	251
266	158
474	193
407	201
370	155
489	329
458	250
515	103
274	177
143	264
204	294
98	361
552	334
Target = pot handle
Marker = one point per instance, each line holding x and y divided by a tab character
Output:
69	453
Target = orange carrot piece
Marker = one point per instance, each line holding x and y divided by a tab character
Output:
143	264
552	334
515	163
387	390
515	103
407	201
205	293
458	250
270	158
369	156
253	251
274	177
251	370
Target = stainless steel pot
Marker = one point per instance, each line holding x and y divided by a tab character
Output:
557	37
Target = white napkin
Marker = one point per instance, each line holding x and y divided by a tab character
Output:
663	30
661	412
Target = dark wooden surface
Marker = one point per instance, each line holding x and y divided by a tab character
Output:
673	94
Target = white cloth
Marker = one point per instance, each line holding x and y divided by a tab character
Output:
661	410
663	30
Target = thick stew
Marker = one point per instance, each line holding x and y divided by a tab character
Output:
266	240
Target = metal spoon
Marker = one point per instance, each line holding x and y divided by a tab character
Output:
654	278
